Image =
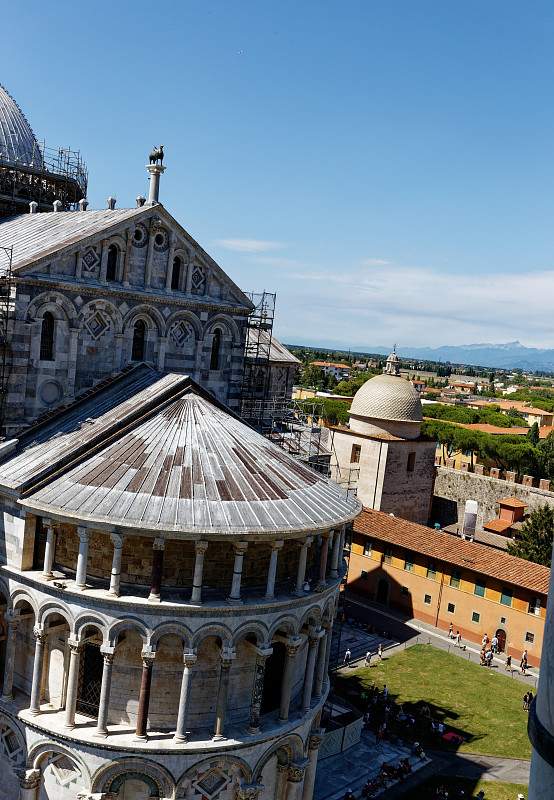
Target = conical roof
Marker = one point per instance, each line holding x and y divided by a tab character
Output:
18	144
191	466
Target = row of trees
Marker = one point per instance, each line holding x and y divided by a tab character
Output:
491	415
521	454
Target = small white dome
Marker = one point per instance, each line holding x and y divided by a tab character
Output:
387	397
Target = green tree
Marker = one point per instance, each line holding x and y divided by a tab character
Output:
545	457
534	434
534	542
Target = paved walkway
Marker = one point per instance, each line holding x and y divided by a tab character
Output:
488	768
397	634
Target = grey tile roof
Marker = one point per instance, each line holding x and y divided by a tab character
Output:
278	353
34	236
193	467
58	439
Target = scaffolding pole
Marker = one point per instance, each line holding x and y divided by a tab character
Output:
257	351
7	302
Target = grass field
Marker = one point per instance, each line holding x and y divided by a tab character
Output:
481	704
493	790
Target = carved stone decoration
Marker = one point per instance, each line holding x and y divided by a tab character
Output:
140	235
296	772
257	694
28	778
248	791
161	240
198	280
315	740
182	333
90	259
212	782
97	324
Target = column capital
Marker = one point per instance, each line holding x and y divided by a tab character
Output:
12	618
39	634
158	543
307	541
74	645
314	636
28	778
200	547
264	651
48	524
148	654
228	655
189	658
293	645
325	534
296	771
248	791
83	534
315	739
240	547
277	545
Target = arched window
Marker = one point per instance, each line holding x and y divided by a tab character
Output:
47	337
176	273
111	267
139	340
216	347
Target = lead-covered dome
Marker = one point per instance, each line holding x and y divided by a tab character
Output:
18	144
387	397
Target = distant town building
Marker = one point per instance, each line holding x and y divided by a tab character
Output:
337	370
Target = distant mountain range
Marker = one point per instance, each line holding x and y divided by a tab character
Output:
511	355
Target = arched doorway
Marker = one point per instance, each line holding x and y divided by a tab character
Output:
91	665
501	636
274	670
383	591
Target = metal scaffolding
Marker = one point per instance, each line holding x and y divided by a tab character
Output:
257	350
7	304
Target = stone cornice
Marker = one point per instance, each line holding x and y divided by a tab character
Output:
104	291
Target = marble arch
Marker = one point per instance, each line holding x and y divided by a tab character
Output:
121	625
87	619
291	744
149	315
55	302
41	750
50	607
105	776
256	628
227	323
170	629
287	624
213	629
214	762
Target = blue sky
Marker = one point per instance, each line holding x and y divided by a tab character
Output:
386	167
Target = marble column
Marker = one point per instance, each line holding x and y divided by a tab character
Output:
7	686
540	726
262	654
323	553
335	552
36	682
293	645
127	257
240	550
148	656
281	781
150	253
294	780
313	642
104	261
29	784
314	743
72	682
115	577
302	559
272	572
189	660
227	657
200	550
321	660
49	551
82	558
158	548
105	688
329	639
170	257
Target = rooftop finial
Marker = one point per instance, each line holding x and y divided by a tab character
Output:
155	168
392	366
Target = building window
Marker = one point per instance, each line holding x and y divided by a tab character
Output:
408	563
411	462
529	637
47	337
111	266
427	599
502	620
451	608
355	454
139	340
216	347
506	596
176	273
475	617
364	575
432	570
368	548
479	589
535	606
455	579
387	555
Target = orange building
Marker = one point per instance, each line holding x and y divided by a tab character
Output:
441	579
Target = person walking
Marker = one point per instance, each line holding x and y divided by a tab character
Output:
458	639
485	641
523	663
347	657
494	644
526	701
451	631
385	691
368	658
508	664
380	652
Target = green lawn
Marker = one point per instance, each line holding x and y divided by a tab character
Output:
493	789
483	705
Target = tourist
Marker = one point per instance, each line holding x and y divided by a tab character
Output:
488	658
380	652
385	691
529	699
523	663
485	640
368	658
458	639
494	644
508	664
347	657
450	631
526	701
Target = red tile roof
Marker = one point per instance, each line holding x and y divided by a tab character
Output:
498	525
456	551
512	502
